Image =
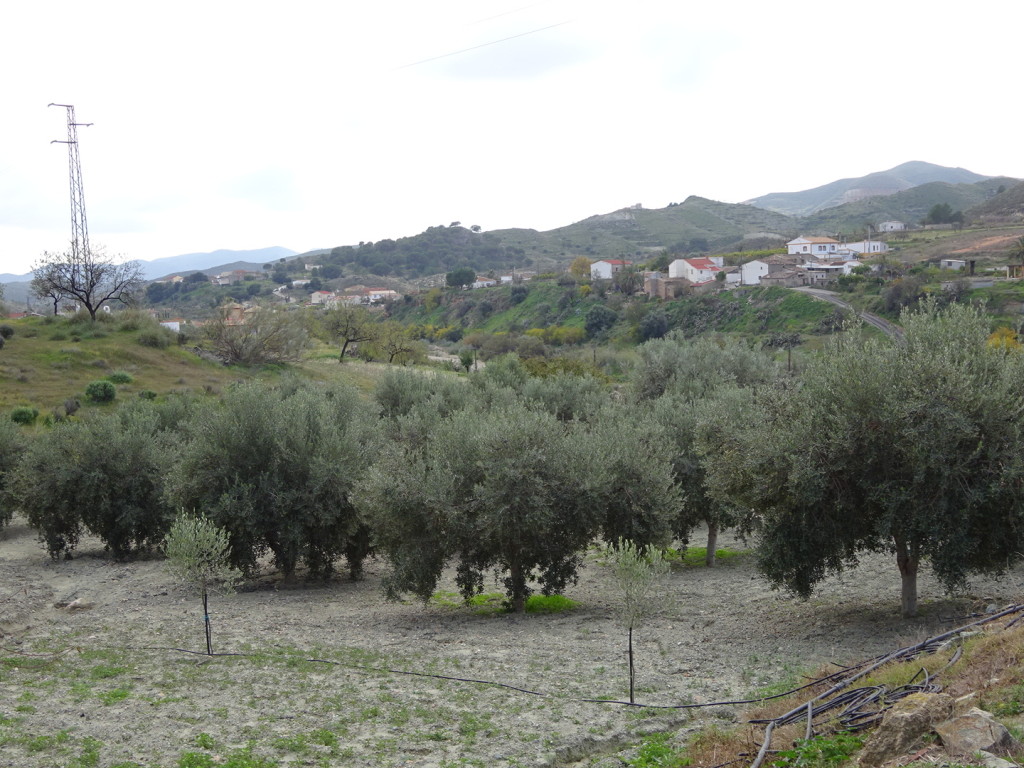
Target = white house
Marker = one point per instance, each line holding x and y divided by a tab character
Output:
697	270
866	247
603	270
812	246
953	264
752	272
483	282
378	295
892	226
321	297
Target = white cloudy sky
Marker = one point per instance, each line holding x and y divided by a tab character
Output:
225	124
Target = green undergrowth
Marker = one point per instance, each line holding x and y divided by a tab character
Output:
696	557
495	603
820	751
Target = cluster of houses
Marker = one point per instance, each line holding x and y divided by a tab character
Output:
355	296
808	261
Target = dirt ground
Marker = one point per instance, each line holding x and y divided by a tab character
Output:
90	674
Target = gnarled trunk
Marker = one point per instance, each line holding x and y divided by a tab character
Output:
517	578
709	558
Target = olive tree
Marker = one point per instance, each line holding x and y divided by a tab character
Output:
12	443
637	575
103	475
274	466
503	489
198	555
909	446
685	383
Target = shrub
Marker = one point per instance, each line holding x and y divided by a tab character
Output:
147	394
6	331
104	475
120	377
100	391
71	405
24	415
156	338
1	342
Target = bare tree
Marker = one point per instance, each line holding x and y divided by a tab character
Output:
89	277
348	325
260	335
46	289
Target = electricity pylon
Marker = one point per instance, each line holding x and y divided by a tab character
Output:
79	226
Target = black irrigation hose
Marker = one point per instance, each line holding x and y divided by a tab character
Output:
927	646
386	670
856	718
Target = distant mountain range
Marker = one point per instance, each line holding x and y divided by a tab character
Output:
221	260
882	183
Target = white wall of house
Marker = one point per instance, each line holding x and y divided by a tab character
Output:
752	272
696	270
812	246
603	270
867	246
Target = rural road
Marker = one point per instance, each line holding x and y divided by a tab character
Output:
830	296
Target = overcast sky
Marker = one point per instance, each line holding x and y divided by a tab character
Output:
221	124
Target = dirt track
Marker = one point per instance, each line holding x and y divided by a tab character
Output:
106	675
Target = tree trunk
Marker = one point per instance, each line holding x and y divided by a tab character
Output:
344	346
632	671
709	558
206	621
518	583
907	559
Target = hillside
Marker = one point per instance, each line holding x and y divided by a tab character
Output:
881	183
1006	207
909	206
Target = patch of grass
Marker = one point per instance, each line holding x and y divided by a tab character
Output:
46	742
491	603
820	751
105	672
89	756
474	724
550	604
656	753
206	741
696	557
114	696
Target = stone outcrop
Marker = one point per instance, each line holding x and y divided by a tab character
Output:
974	732
904	725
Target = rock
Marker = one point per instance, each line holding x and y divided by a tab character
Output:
991	761
964	704
903	725
976	731
79	604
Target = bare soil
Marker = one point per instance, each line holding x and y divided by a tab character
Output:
95	668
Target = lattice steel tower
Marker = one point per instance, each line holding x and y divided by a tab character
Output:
79	226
